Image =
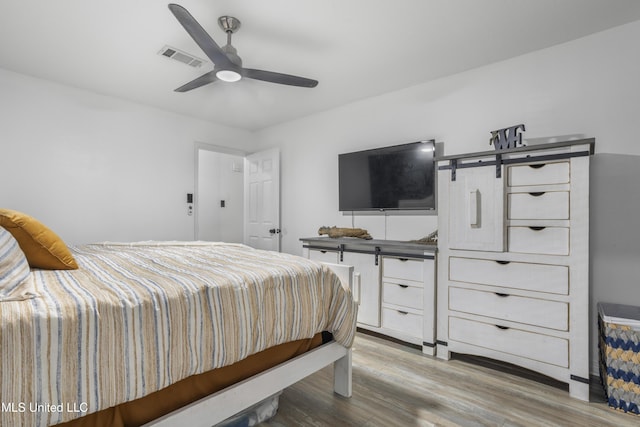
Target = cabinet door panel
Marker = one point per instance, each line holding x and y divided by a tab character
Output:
369	287
476	210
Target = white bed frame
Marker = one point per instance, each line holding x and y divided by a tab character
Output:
230	401
219	406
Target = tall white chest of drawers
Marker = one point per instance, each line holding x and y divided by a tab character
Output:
513	264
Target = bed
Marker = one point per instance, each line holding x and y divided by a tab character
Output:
135	319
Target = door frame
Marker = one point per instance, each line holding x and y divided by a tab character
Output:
197	146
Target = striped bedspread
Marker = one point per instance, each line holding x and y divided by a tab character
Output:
135	318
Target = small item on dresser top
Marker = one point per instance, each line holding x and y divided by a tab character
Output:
429	239
334	232
506	138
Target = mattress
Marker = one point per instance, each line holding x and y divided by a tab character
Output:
136	318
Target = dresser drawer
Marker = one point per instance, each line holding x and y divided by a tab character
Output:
539	240
519	275
531	311
402	294
542	205
530	345
538	174
323	256
403	268
402	321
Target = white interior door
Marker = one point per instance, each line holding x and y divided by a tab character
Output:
262	200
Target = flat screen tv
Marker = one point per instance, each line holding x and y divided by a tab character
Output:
390	178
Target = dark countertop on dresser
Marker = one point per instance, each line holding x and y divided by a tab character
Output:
389	244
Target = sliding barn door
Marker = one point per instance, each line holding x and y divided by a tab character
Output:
262	200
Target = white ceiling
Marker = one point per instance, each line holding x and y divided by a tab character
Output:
355	48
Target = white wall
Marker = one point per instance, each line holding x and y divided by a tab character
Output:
587	87
220	177
99	168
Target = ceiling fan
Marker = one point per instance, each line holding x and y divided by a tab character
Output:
227	63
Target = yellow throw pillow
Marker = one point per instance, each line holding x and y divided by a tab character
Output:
42	247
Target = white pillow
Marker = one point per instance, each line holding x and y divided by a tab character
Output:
15	275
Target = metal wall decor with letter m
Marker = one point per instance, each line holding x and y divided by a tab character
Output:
507	137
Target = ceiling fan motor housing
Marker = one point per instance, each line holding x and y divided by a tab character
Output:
232	54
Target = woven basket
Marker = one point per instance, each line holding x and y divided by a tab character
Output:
619	348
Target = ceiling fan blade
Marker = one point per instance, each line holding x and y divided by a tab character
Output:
204	79
201	37
283	79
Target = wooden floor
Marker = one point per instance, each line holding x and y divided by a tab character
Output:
395	385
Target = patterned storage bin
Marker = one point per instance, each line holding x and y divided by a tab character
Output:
619	348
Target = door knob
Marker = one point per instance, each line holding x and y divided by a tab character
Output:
274	231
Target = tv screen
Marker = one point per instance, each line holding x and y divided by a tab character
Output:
397	177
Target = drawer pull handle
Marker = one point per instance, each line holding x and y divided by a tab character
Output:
503	262
501	295
504	328
537	193
403	259
403	286
537	166
537	228
324	252
402	312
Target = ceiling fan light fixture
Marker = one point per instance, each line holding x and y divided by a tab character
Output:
227	65
228	75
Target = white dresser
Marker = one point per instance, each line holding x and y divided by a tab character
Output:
513	264
393	283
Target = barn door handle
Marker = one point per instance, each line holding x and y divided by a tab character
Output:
474	208
356	287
